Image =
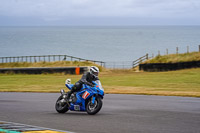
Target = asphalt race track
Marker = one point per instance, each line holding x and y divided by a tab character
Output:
120	114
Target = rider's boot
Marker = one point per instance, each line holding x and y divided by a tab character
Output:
70	92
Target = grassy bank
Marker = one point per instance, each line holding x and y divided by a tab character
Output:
173	83
46	64
174	58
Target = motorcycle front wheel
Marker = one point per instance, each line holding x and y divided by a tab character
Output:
61	106
92	109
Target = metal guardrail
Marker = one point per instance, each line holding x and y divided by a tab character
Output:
46	58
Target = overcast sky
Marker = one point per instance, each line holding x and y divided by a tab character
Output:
99	12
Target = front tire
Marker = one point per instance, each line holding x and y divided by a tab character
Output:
60	106
92	109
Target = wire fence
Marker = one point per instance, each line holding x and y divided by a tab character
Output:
119	65
46	58
178	50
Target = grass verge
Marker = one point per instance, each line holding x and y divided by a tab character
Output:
173	83
174	58
48	64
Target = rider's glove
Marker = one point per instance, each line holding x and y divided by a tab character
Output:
93	85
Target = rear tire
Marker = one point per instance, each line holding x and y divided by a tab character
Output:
92	109
60	106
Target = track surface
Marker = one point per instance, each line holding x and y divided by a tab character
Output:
120	114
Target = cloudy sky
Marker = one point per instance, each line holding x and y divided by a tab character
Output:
99	12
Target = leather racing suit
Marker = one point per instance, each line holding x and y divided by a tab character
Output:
87	78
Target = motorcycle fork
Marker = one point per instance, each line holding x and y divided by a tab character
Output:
93	99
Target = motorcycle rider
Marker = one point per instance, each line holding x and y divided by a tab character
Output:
87	78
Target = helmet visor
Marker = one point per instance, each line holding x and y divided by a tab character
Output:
95	73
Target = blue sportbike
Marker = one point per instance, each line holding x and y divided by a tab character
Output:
88	99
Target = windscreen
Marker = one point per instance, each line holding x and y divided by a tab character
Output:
99	84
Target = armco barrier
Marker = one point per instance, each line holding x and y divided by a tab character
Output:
40	70
152	67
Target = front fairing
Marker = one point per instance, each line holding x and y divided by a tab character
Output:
99	88
99	85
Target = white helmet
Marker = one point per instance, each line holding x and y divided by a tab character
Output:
94	71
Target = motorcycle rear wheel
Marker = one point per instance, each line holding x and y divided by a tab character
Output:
92	109
61	107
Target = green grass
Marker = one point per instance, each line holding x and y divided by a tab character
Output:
173	58
173	83
184	82
33	83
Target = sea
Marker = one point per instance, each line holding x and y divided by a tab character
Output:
111	44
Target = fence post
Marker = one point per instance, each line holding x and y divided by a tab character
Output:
59	57
176	50
64	59
35	59
54	58
49	57
147	56
187	49
199	48
167	51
